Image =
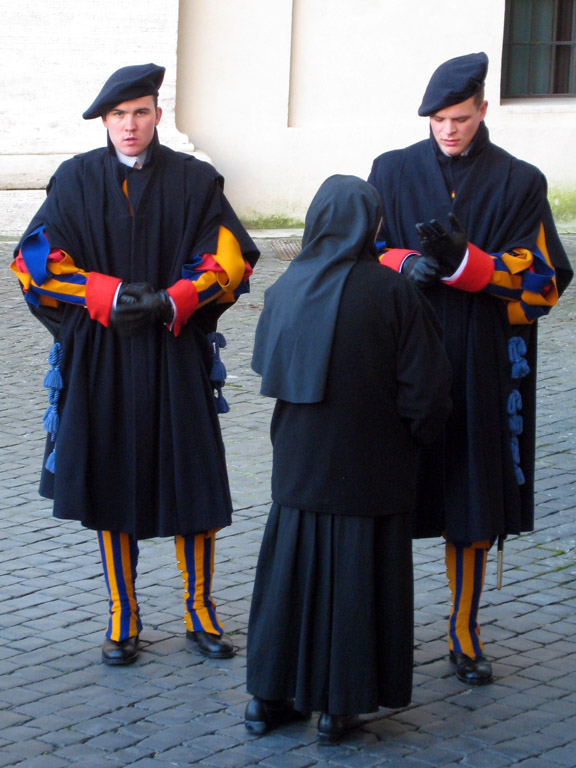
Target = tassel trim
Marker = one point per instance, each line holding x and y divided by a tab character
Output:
54	383
520	369
218	371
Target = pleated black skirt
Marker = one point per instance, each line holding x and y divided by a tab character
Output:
332	617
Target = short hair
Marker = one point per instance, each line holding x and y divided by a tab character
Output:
479	98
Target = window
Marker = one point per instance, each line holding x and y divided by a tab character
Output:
539	57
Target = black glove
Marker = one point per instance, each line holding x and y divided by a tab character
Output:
448	248
131	293
138	306
164	306
130	315
422	270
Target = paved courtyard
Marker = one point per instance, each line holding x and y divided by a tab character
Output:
60	706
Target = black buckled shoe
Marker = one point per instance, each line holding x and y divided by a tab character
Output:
476	671
211	646
333	728
263	715
118	653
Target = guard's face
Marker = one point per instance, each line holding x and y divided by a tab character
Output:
131	124
455	127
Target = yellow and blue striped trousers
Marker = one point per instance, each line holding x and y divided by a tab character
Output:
465	569
195	559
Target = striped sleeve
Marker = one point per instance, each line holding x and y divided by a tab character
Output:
48	276
526	280
219	277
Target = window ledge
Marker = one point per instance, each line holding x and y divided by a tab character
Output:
539	106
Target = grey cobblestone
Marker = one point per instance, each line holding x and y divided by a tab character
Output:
60	707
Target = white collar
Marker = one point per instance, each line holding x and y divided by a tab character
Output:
131	161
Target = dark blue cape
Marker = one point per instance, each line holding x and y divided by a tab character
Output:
468	480
139	447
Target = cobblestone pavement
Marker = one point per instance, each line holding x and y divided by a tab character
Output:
60	706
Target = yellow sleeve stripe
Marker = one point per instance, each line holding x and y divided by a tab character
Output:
229	256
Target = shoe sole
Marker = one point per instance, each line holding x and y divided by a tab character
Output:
119	662
325	740
475	683
208	655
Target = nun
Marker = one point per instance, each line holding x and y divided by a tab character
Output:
351	352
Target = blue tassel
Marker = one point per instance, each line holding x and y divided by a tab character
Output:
515	448
55	354
51	462
516	424
51	420
221	403
54	383
514	402
516	353
218	372
53	379
520	368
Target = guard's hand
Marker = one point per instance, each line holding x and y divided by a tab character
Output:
131	293
131	312
448	248
422	270
165	308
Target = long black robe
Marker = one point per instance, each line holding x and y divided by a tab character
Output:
468	486
139	447
352	353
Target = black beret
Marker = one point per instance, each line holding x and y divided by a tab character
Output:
125	84
453	82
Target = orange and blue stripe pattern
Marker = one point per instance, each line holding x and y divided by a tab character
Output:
465	568
526	279
195	557
49	276
119	552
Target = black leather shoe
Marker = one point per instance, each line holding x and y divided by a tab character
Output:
476	671
211	646
333	728
117	653
262	715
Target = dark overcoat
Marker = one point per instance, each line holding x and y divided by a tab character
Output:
469	481
138	447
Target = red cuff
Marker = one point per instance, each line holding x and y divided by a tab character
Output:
100	291
185	297
475	275
395	256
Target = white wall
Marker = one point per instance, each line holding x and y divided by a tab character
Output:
279	93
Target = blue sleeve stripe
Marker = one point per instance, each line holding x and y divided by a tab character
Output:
35	250
534	312
60	296
209	293
502	292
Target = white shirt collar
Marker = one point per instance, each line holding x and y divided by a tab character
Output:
131	161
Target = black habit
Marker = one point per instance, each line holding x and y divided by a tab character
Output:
366	380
